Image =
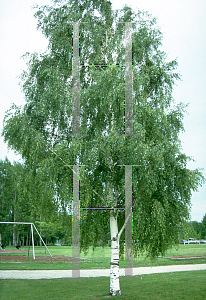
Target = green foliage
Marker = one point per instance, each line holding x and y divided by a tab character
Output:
58	229
198	229
41	131
26	197
190	231
204	227
13	204
194	229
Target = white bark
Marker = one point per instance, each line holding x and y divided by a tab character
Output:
14	227
114	265
14	236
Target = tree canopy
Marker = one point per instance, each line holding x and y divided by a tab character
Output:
41	130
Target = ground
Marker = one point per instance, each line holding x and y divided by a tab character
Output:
61	258
42	258
186	256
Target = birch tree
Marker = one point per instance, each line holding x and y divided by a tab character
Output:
42	131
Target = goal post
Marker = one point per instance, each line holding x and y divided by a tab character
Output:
32	234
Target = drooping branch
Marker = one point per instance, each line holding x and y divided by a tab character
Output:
150	92
97	194
125	223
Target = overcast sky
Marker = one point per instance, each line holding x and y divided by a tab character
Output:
183	23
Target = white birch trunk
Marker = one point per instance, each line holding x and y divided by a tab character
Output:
114	265
14	226
14	235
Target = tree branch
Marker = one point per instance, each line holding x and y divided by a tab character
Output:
125	223
97	194
150	92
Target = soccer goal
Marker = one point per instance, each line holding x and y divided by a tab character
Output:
32	234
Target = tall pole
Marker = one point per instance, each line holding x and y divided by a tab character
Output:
76	82
128	131
128	217
128	79
75	225
29	241
32	236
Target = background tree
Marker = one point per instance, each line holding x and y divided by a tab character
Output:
7	190
25	197
13	207
41	131
204	227
198	229
190	231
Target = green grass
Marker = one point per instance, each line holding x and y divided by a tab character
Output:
178	285
191	249
100	258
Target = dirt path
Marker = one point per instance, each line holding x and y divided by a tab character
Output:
52	274
38	258
186	256
59	258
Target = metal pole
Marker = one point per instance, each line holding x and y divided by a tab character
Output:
42	240
128	215
21	223
29	241
32	235
76	82
128	79
75	225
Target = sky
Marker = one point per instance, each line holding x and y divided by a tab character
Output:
183	24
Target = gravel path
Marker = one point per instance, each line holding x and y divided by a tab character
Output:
51	274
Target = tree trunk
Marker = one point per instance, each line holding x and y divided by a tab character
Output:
17	239
14	235
114	265
14	226
40	232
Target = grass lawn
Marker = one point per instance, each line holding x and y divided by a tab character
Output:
178	285
100	258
